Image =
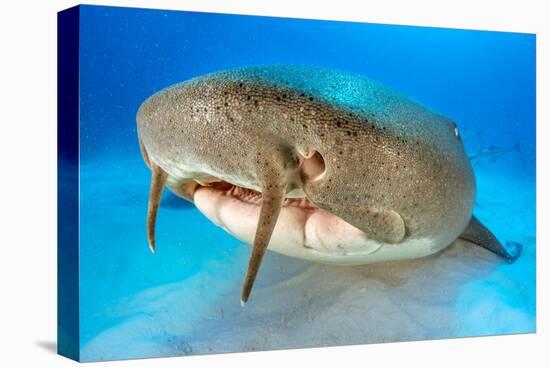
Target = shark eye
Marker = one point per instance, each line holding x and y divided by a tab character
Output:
455	129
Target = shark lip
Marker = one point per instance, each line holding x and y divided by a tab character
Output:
301	225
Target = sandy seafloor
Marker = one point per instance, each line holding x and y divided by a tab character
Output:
185	299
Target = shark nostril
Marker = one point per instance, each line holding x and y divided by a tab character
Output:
312	167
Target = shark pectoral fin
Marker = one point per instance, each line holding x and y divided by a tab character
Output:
158	179
386	225
273	193
383	225
480	235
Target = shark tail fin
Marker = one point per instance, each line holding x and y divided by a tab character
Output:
517	148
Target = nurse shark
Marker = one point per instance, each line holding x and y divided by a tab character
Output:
313	163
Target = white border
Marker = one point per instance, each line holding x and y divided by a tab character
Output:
28	180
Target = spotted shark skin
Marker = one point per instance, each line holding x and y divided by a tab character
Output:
382	177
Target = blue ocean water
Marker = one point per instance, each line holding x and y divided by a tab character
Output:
184	299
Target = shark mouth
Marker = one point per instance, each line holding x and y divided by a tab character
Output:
302	230
293	226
